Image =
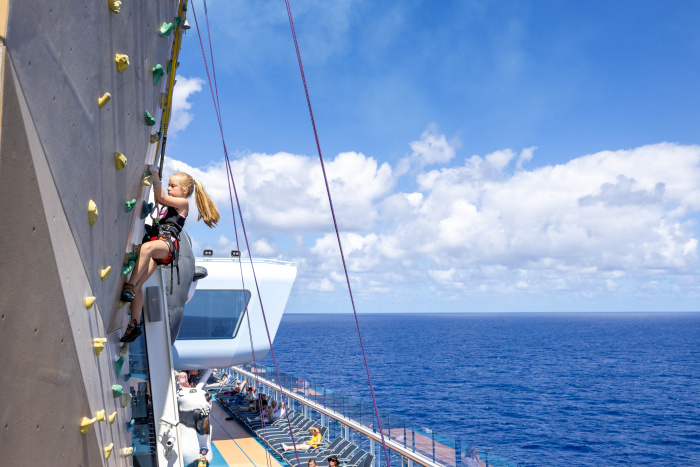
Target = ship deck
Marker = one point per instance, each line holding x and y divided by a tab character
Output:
233	446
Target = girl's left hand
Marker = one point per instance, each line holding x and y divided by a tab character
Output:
153	169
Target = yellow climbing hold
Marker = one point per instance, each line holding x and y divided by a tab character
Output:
105	272
92	212
126	452
126	399
100	414
102	101
114	5
99	344
124	349
122	61
119	160
86	423
155	137
89	301
108	450
112	417
147	180
163	100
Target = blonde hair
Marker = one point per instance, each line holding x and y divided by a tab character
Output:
205	205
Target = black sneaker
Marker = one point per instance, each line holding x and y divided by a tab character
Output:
132	332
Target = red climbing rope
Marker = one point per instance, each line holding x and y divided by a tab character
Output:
335	223
232	184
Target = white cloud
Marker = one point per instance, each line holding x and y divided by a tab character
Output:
181	117
590	226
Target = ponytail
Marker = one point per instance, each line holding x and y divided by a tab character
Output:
205	205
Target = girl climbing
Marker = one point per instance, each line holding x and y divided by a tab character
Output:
163	246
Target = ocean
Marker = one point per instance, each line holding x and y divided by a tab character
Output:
541	389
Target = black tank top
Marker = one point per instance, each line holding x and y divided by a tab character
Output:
173	218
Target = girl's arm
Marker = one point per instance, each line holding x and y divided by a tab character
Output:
160	194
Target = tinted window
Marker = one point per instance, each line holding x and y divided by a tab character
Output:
213	314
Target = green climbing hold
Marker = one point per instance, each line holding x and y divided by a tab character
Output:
127	377
133	256
117	390
129	205
118	366
158	73
177	20
127	268
150	121
165	29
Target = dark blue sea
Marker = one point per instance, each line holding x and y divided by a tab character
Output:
583	389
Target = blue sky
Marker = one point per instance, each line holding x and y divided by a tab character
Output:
505	156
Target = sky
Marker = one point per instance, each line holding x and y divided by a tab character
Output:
482	156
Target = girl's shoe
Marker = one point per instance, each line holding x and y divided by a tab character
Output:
132	332
128	293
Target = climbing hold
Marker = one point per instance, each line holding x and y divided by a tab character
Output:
126	399
108	450
121	304
165	29
122	61
118	366
129	425
177	20
155	137
128	267
119	160
129	205
114	5
117	390
92	212
102	101
123	349
100	414
112	417
158	73
126	452
98	344
127	376
146	209
147	179
86	423
133	256
150	121
105	272
89	301
163	102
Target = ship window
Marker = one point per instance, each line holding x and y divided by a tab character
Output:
214	314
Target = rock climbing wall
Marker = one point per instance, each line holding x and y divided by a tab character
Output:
64	57
60	273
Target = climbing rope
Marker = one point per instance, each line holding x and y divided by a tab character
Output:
335	223
234	191
182	9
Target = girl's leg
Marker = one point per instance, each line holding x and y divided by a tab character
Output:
149	250
137	303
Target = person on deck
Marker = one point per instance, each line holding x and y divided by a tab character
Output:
310	444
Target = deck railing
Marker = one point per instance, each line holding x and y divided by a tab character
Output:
408	443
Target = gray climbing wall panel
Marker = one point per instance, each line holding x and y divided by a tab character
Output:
64	57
